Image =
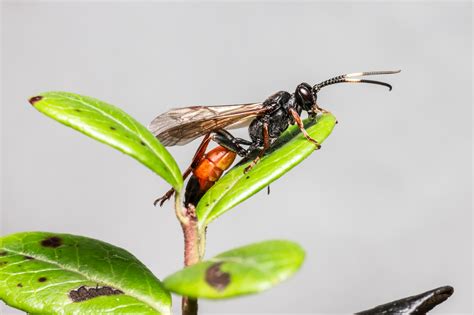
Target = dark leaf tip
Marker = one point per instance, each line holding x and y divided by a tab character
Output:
435	297
417	304
35	99
216	278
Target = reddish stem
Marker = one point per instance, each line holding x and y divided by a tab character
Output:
189	306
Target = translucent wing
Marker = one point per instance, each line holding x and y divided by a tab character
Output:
180	126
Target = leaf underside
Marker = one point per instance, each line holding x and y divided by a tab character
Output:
245	270
288	151
110	125
52	273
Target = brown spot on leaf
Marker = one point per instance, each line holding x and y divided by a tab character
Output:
84	293
3	263
216	278
52	241
42	279
142	143
29	258
35	99
113	128
19	285
247	177
3	253
78	110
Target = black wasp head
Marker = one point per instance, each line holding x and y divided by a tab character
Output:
304	96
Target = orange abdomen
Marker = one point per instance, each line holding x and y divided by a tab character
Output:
214	163
209	169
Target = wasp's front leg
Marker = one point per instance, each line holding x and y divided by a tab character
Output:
300	124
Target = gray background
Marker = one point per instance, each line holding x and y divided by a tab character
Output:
383	210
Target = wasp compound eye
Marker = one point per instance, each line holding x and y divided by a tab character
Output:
304	96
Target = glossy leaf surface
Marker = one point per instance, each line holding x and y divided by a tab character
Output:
244	270
110	125
288	151
51	273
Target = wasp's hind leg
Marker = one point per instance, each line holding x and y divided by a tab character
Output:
196	159
228	141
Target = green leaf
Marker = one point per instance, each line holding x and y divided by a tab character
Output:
112	126
43	273
244	270
288	151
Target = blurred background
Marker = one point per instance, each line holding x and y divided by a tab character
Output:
383	209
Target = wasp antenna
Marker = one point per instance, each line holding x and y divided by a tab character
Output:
363	74
369	81
347	78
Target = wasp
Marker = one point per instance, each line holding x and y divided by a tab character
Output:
266	120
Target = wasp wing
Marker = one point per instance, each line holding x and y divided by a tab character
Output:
180	126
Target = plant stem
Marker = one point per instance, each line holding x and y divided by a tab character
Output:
189	306
191	238
192	243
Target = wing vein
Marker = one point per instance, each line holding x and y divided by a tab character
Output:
182	125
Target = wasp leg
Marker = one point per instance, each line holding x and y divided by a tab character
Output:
300	124
318	109
228	141
200	152
196	159
266	145
164	198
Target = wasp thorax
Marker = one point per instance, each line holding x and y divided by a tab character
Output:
304	96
